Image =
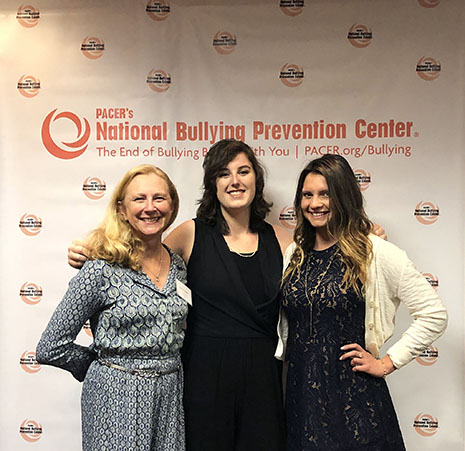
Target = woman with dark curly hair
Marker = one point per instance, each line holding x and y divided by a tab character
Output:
232	392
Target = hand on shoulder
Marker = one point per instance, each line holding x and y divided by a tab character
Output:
77	254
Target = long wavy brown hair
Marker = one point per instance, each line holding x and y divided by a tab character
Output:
348	223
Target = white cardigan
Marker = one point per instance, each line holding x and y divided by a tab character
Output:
392	279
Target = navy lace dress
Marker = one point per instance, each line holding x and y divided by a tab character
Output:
328	406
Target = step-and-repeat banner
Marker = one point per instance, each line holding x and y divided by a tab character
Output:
92	88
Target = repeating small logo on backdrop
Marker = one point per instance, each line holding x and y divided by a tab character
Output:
429	3
94	188
432	280
425	424
28	16
30	430
224	42
429	356
291	75
66	150
92	47
292	7
158	10
426	213
29	363
30	224
363	178
158	80
30	293
287	217
28	86
428	68
360	36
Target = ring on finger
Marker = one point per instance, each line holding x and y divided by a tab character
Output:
360	355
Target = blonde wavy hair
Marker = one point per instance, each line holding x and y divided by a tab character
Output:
348	223
114	240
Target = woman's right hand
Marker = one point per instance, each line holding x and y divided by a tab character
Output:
77	254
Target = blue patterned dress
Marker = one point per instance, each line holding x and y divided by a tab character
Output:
135	325
329	407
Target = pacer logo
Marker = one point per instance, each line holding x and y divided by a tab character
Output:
30	225
360	36
426	213
66	150
29	363
158	80
429	3
94	188
432	280
30	430
224	42
363	179
291	7
92	47
157	9
28	86
30	293
287	217
291	75
28	16
428	68
425	424
428	357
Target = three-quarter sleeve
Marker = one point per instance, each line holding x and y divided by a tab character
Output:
81	301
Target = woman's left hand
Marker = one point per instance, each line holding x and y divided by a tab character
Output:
362	360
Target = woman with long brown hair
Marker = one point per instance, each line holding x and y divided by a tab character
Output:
341	289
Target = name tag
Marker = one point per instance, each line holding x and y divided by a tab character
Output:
183	291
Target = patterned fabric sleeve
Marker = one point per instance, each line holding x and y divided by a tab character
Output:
83	298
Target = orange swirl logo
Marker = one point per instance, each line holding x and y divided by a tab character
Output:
360	36
428	357
87	328
66	152
30	293
291	75
29	363
429	3
158	9
28	86
287	217
30	430
158	80
291	7
28	16
425	424
30	225
94	188
428	68
432	280
426	213
224	42
363	178
92	47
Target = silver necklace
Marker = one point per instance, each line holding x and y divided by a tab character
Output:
157	276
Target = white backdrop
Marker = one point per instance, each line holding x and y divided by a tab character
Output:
92	88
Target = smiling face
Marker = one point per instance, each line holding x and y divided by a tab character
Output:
315	201
235	184
147	205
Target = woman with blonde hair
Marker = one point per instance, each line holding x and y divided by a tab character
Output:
132	375
341	289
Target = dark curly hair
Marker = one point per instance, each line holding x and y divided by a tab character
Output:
218	157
